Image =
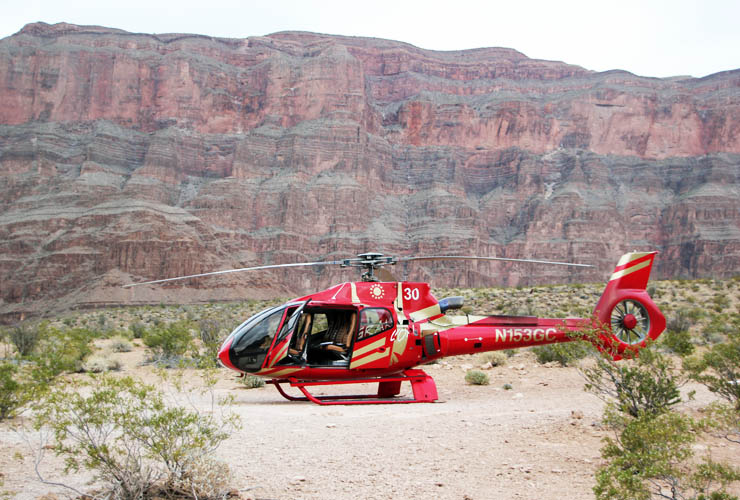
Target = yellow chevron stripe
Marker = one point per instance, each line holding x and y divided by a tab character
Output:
629	257
399	345
629	270
369	347
279	373
280	355
369	359
425	313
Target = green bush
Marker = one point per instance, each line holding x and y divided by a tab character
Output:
652	453
120	344
252	381
138	330
62	350
210	333
680	322
719	369
564	353
476	377
496	358
25	337
12	393
678	341
134	442
648	384
720	302
652	457
99	364
170	340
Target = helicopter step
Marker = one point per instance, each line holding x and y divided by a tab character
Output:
422	385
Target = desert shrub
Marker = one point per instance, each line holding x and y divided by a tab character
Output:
60	350
719	326
564	353
25	337
170	340
120	344
134	442
723	421
209	331
678	341
21	385
99	364
12	393
476	377
679	322
720	302
252	381
496	358
648	384
652	452
137	330
719	369
695	314
652	457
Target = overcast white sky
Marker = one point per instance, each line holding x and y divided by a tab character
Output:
647	37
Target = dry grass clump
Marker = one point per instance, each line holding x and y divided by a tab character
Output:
121	344
476	377
100	363
252	381
493	358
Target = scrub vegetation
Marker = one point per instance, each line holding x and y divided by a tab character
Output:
121	429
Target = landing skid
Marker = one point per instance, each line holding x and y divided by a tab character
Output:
422	385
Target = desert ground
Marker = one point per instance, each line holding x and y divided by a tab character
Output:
539	439
532	433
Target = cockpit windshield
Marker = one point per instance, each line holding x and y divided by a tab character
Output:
252	338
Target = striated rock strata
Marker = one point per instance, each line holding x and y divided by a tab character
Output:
132	156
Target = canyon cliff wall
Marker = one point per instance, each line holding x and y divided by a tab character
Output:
126	157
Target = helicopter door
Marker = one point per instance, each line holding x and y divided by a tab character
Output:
280	349
374	342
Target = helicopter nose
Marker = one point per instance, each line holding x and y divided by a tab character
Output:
223	354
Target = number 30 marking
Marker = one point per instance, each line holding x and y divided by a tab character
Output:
411	293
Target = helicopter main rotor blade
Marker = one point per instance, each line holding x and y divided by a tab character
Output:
256	268
471	257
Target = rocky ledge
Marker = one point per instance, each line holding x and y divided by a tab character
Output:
129	156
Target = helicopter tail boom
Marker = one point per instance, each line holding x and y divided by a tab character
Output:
625	318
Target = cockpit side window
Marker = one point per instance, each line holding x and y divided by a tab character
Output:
373	321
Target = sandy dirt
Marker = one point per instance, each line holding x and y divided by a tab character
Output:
541	439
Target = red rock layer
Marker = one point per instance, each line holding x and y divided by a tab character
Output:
127	156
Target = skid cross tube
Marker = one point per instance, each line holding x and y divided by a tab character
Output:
422	385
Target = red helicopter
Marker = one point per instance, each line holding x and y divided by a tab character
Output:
379	331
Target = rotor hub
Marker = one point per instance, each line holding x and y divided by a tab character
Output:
629	321
369	262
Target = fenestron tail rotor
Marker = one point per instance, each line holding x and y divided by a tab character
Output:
371	262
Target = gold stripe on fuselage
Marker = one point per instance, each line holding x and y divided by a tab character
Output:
370	347
368	359
427	312
278	373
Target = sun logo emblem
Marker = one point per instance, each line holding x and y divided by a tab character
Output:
377	291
